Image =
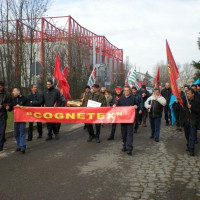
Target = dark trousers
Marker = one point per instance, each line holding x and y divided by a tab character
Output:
167	113
127	136
3	119
91	130
190	132
113	129
136	120
58	125
51	127
30	129
177	114
155	126
143	117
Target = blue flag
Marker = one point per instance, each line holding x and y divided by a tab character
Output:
197	81
172	100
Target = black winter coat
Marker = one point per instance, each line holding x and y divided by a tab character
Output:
5	99
52	96
37	99
193	116
19	100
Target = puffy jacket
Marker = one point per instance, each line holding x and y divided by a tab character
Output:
37	99
166	93
52	97
5	99
19	100
156	106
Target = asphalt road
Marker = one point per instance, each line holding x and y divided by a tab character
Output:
72	169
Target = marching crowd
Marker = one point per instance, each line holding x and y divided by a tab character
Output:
145	104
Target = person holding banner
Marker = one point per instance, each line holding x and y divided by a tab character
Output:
99	99
115	98
189	119
36	100
155	104
127	129
52	98
19	127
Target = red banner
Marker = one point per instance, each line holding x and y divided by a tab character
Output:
75	115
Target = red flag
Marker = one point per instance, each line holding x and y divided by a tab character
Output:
171	62
57	71
157	80
173	74
62	79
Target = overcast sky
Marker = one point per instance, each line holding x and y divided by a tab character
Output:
140	27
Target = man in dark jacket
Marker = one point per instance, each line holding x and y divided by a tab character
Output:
177	107
166	93
19	127
36	100
4	101
140	104
52	98
155	104
115	99
145	95
95	96
127	129
189	119
196	96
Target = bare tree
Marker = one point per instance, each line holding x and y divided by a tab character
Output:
164	73
17	55
186	74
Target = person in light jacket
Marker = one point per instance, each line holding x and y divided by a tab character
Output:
155	104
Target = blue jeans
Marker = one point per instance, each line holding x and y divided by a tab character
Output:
155	126
190	133
127	135
20	134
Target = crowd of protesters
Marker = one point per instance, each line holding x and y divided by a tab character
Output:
146	105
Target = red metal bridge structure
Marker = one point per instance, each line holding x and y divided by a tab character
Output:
59	29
